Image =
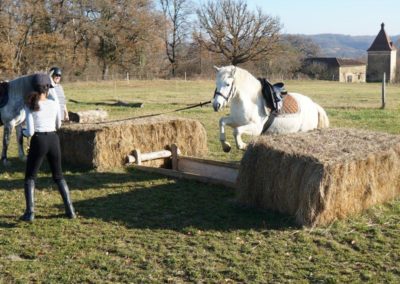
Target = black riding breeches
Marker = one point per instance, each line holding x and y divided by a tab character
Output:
44	144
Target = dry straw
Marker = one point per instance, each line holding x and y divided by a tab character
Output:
105	146
320	176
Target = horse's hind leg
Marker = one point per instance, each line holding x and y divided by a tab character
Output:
20	141
6	141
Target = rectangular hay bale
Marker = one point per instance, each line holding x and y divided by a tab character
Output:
320	176
88	116
104	146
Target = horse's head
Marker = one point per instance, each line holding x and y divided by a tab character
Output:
225	88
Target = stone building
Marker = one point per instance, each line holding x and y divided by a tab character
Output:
337	69
381	58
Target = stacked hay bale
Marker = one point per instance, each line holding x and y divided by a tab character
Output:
320	176
104	146
88	116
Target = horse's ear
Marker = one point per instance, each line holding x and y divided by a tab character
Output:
217	68
233	71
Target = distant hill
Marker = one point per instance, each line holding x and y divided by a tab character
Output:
346	46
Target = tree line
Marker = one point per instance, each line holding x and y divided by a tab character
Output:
164	38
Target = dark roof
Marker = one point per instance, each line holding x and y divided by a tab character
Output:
330	61
382	41
349	62
336	62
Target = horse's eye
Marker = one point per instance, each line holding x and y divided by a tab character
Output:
227	84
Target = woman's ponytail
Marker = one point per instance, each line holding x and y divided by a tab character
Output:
32	101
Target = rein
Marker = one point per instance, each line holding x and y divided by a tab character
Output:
155	114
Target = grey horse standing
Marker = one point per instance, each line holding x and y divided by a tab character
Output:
12	113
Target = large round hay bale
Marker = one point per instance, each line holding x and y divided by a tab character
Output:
104	146
320	176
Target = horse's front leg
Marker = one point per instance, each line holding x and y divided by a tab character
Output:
237	134
222	137
6	141
250	129
20	141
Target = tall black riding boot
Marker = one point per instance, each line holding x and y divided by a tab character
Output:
64	191
29	190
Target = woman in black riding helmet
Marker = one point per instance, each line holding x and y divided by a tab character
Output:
58	92
42	121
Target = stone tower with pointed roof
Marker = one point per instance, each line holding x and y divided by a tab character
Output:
381	58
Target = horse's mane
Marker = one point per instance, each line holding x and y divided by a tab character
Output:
21	86
244	78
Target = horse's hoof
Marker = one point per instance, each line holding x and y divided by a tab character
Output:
6	163
243	147
226	148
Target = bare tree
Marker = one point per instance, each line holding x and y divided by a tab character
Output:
71	21
237	33
288	60
306	47
118	27
31	21
35	34
176	14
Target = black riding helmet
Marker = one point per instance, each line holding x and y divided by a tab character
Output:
55	71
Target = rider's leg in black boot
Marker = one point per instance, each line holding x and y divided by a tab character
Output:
64	191
29	190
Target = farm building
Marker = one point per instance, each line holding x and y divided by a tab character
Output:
381	58
337	69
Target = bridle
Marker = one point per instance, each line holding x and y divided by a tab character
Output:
232	91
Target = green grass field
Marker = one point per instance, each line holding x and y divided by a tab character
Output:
135	227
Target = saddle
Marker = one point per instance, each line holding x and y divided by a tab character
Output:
273	94
278	101
3	94
289	105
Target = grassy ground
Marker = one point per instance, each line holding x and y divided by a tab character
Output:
144	228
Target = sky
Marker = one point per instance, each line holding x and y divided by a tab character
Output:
349	17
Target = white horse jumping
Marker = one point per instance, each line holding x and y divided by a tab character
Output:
12	114
251	114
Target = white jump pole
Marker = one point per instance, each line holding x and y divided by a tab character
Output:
137	157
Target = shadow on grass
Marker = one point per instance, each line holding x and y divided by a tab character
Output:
77	179
180	205
137	200
15	165
8	225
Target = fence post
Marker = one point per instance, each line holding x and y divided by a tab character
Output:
383	91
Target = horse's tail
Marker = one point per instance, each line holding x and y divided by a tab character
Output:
323	120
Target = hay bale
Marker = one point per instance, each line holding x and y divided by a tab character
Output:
104	146
88	116
320	176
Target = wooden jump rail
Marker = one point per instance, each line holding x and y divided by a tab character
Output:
184	167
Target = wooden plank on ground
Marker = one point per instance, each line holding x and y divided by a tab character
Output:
184	175
209	168
211	162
